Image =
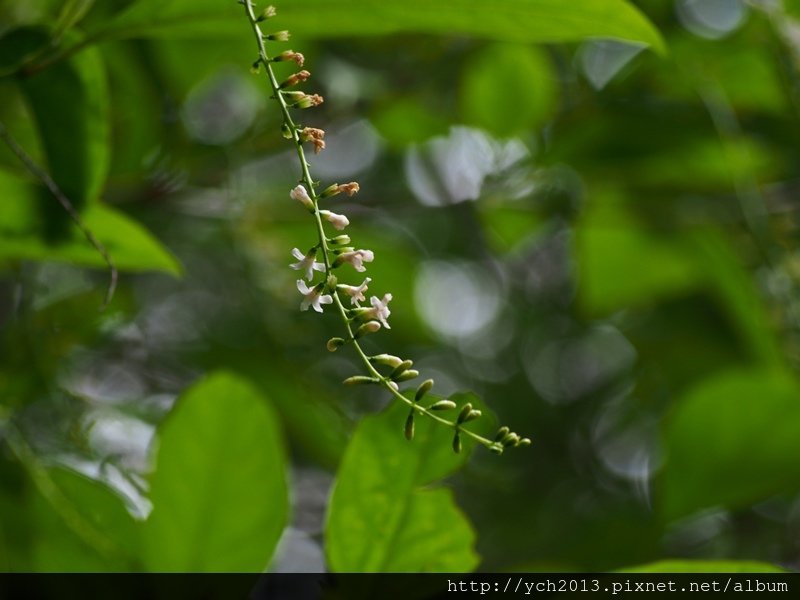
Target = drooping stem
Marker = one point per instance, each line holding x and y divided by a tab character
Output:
289	125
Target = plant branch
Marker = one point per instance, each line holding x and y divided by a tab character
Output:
65	203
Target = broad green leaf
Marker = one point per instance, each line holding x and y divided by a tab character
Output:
69	101
381	518
82	526
23	233
507	20
731	441
704	566
508	89
219	491
621	264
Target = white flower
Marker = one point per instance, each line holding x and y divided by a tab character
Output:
307	263
301	195
312	297
356	293
338	221
357	258
380	309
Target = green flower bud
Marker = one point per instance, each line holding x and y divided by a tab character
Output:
385	359
409	430
403	366
501	433
406	375
457	443
334	344
366	328
465	410
360	380
443	405
423	389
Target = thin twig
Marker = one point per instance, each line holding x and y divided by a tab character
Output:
65	203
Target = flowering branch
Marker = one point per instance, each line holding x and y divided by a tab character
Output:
336	251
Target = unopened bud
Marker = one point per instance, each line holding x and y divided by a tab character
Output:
423	389
403	366
255	68
339	240
334	344
309	101
465	410
524	442
457	443
385	359
501	433
512	439
370	327
286	132
267	13
443	405
360	380
278	36
292	80
298	58
409	429
406	375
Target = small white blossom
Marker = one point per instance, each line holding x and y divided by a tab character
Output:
301	195
312	297
394	386
307	263
380	309
357	258
338	221
356	293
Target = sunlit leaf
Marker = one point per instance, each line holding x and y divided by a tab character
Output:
23	234
731	441
219	491
508	20
508	89
381	518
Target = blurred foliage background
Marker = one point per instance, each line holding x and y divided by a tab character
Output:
585	212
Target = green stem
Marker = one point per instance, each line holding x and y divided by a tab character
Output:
323	244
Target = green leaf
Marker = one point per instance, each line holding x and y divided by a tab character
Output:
623	264
380	518
704	566
219	492
23	233
508	89
69	102
731	441
507	20
81	526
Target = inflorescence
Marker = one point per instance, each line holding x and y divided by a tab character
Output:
336	251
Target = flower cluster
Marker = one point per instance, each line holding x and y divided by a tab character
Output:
332	253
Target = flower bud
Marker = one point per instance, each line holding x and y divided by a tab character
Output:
457	443
423	389
309	101
496	448
267	13
409	429
292	80
465	410
366	328
278	36
501	433
360	380
298	58
512	439
334	344
406	375
403	366
339	240
443	405
385	359
255	68
524	442
286	132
